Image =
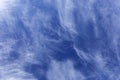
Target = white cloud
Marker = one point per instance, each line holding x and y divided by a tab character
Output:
14	72
6	5
65	9
63	71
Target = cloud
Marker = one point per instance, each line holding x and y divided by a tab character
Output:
63	71
32	31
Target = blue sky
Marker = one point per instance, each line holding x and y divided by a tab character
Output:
59	40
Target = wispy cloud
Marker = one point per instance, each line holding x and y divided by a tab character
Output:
63	71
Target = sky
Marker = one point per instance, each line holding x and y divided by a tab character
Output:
59	40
